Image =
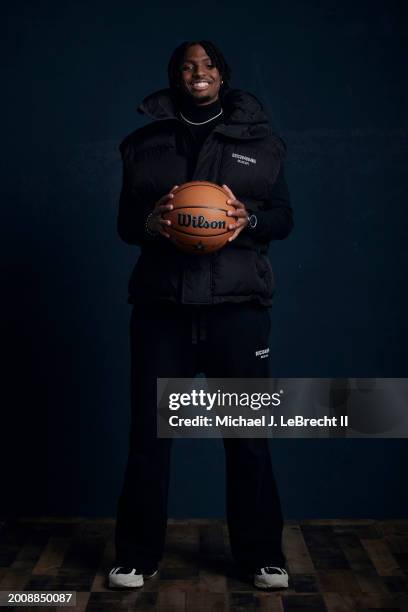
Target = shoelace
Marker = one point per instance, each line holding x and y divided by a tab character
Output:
270	569
123	570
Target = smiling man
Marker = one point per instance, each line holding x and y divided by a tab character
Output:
201	78
200	313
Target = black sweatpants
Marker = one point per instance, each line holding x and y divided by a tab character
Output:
179	341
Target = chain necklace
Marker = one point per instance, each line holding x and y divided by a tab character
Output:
201	122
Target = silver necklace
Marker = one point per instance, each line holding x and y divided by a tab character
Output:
201	122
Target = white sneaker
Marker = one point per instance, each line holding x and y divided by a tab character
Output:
271	578
128	577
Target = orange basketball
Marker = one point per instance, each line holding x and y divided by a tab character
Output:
199	221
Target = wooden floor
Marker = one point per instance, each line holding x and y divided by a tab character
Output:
336	566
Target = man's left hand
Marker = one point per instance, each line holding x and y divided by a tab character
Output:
240	214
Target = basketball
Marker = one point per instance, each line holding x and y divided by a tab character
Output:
199	221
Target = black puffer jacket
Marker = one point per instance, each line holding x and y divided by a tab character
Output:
242	153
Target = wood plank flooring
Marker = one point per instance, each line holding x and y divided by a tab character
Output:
334	566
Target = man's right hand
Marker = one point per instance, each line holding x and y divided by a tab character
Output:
155	222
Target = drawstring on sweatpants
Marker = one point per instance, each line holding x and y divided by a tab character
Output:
198	326
194	328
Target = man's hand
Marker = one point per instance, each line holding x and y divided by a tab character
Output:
155	222
240	214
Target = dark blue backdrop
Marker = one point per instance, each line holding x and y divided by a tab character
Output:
332	75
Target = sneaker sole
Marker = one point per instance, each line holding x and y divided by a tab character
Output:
266	587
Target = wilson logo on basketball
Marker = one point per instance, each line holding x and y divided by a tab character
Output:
187	220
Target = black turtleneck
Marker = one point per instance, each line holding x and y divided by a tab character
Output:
200	114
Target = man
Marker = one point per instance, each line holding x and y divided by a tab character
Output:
200	313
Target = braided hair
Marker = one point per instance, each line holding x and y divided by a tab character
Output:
177	58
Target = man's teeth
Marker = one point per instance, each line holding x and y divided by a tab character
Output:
200	85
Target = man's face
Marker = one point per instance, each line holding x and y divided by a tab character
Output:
200	79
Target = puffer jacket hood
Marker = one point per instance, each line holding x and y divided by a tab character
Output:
244	116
